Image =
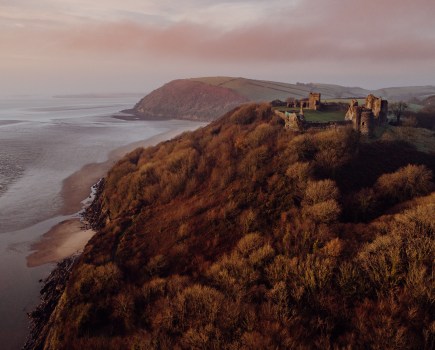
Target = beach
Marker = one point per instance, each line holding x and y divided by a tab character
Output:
61	241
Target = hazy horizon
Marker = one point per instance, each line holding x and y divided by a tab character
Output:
70	47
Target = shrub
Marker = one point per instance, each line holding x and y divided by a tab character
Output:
261	134
156	265
323	212
249	243
197	306
92	281
260	257
233	275
244	114
405	183
253	160
247	220
320	191
279	270
382	262
303	146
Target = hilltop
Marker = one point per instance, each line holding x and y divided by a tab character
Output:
187	99
210	97
243	235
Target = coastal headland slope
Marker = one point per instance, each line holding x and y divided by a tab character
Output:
243	234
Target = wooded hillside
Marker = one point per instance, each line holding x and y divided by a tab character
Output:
242	235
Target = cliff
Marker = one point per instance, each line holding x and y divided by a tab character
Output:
243	235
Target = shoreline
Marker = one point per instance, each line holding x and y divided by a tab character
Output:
63	240
76	187
69	237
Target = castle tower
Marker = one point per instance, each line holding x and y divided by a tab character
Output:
370	101
366	122
354	114
379	108
314	101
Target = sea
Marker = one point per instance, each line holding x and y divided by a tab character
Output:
43	140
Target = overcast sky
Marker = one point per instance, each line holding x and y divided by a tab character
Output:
73	46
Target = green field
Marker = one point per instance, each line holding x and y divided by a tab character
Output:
266	91
317	116
261	90
361	101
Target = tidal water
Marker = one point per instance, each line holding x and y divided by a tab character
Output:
43	140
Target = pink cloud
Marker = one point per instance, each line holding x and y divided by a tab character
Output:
271	42
383	36
327	30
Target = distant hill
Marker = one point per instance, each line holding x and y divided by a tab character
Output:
261	90
209	97
429	103
405	93
188	99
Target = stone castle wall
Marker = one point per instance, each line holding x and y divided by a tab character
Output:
366	118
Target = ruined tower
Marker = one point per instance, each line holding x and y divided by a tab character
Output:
366	122
314	101
362	118
379	108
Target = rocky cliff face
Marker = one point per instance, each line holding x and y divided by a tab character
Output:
186	99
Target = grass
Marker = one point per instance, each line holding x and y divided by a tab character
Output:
317	116
422	139
260	90
361	101
413	107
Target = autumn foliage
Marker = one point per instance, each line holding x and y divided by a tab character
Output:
242	235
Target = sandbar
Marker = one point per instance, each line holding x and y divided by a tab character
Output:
61	241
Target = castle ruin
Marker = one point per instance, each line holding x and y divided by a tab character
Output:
365	118
312	102
379	108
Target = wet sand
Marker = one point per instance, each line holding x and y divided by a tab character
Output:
63	240
68	237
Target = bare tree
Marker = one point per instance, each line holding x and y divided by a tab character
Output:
398	108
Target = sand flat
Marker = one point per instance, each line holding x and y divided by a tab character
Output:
61	241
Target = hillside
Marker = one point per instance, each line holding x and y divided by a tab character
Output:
425	114
210	97
184	99
260	90
429	104
242	235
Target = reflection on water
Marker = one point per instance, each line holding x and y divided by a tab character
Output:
36	156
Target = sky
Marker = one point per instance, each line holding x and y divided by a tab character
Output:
82	46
